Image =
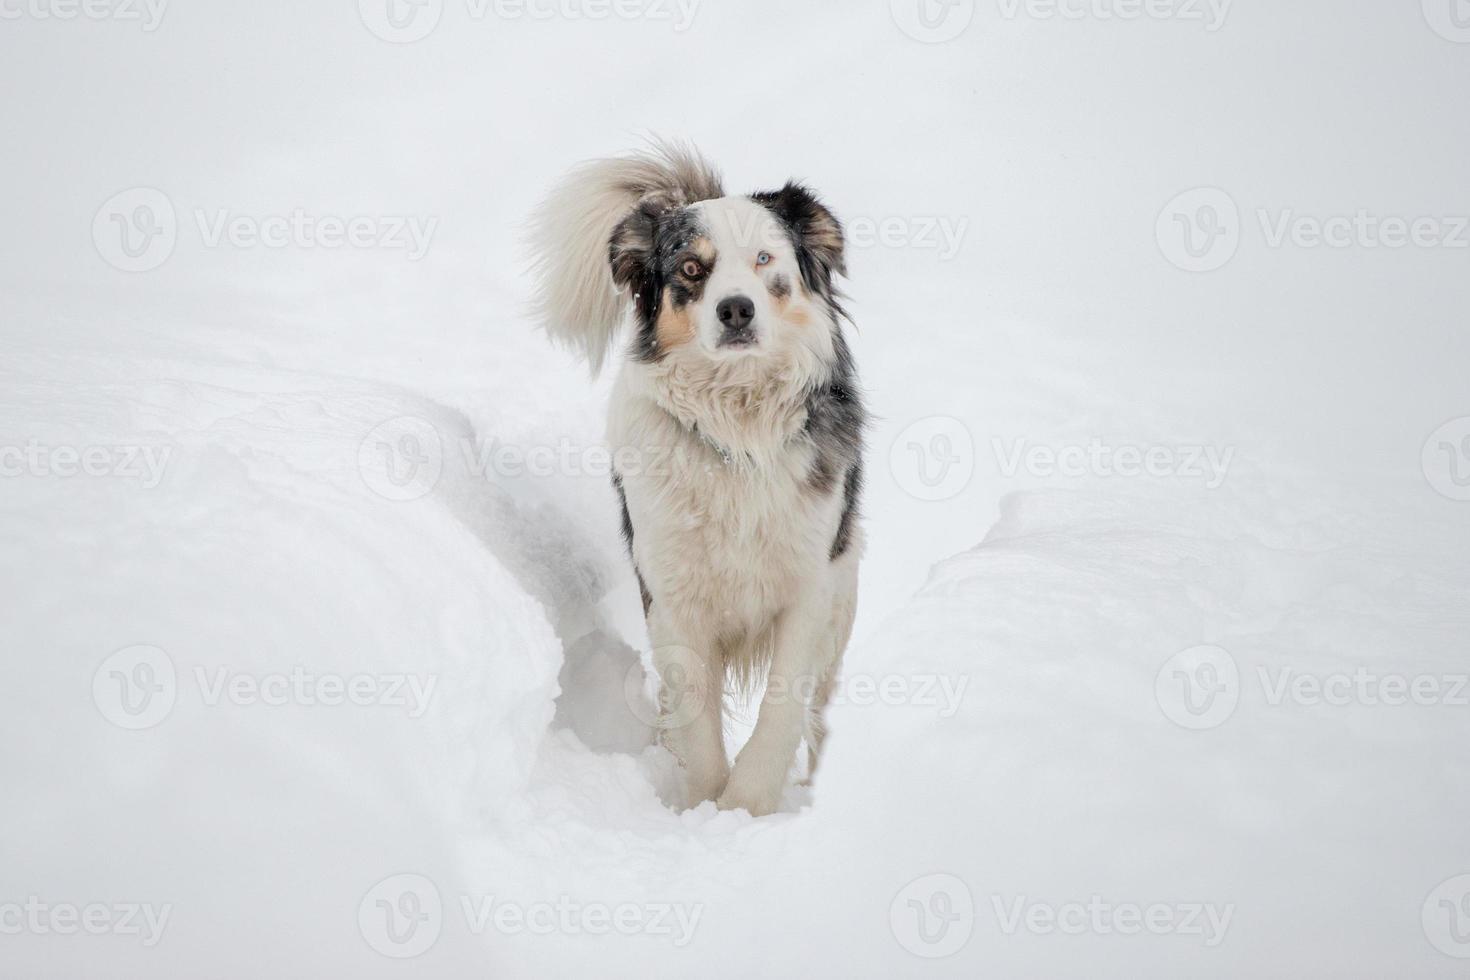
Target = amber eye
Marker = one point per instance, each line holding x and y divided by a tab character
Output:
765	258
692	269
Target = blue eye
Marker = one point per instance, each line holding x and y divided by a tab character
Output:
764	259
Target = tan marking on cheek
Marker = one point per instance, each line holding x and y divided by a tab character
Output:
793	308
674	327
800	316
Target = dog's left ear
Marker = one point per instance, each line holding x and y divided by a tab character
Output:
630	250
820	245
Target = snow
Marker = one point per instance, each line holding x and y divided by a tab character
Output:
386	692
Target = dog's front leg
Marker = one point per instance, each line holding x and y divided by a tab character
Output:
691	705
801	658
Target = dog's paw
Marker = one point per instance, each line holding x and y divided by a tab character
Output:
694	796
756	803
702	787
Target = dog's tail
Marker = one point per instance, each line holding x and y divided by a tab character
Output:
576	301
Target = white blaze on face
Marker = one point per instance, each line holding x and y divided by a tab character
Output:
740	230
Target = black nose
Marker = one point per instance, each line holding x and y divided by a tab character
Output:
736	313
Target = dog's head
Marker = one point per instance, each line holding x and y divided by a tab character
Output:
731	278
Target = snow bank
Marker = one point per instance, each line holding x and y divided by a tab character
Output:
338	680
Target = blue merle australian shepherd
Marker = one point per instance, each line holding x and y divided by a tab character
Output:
736	365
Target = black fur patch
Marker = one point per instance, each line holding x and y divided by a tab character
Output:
646	252
835	423
780	286
628	539
852	493
823	478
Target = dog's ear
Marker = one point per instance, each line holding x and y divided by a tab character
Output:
630	250
820	245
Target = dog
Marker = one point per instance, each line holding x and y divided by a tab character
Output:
737	377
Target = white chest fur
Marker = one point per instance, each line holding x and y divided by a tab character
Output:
727	523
